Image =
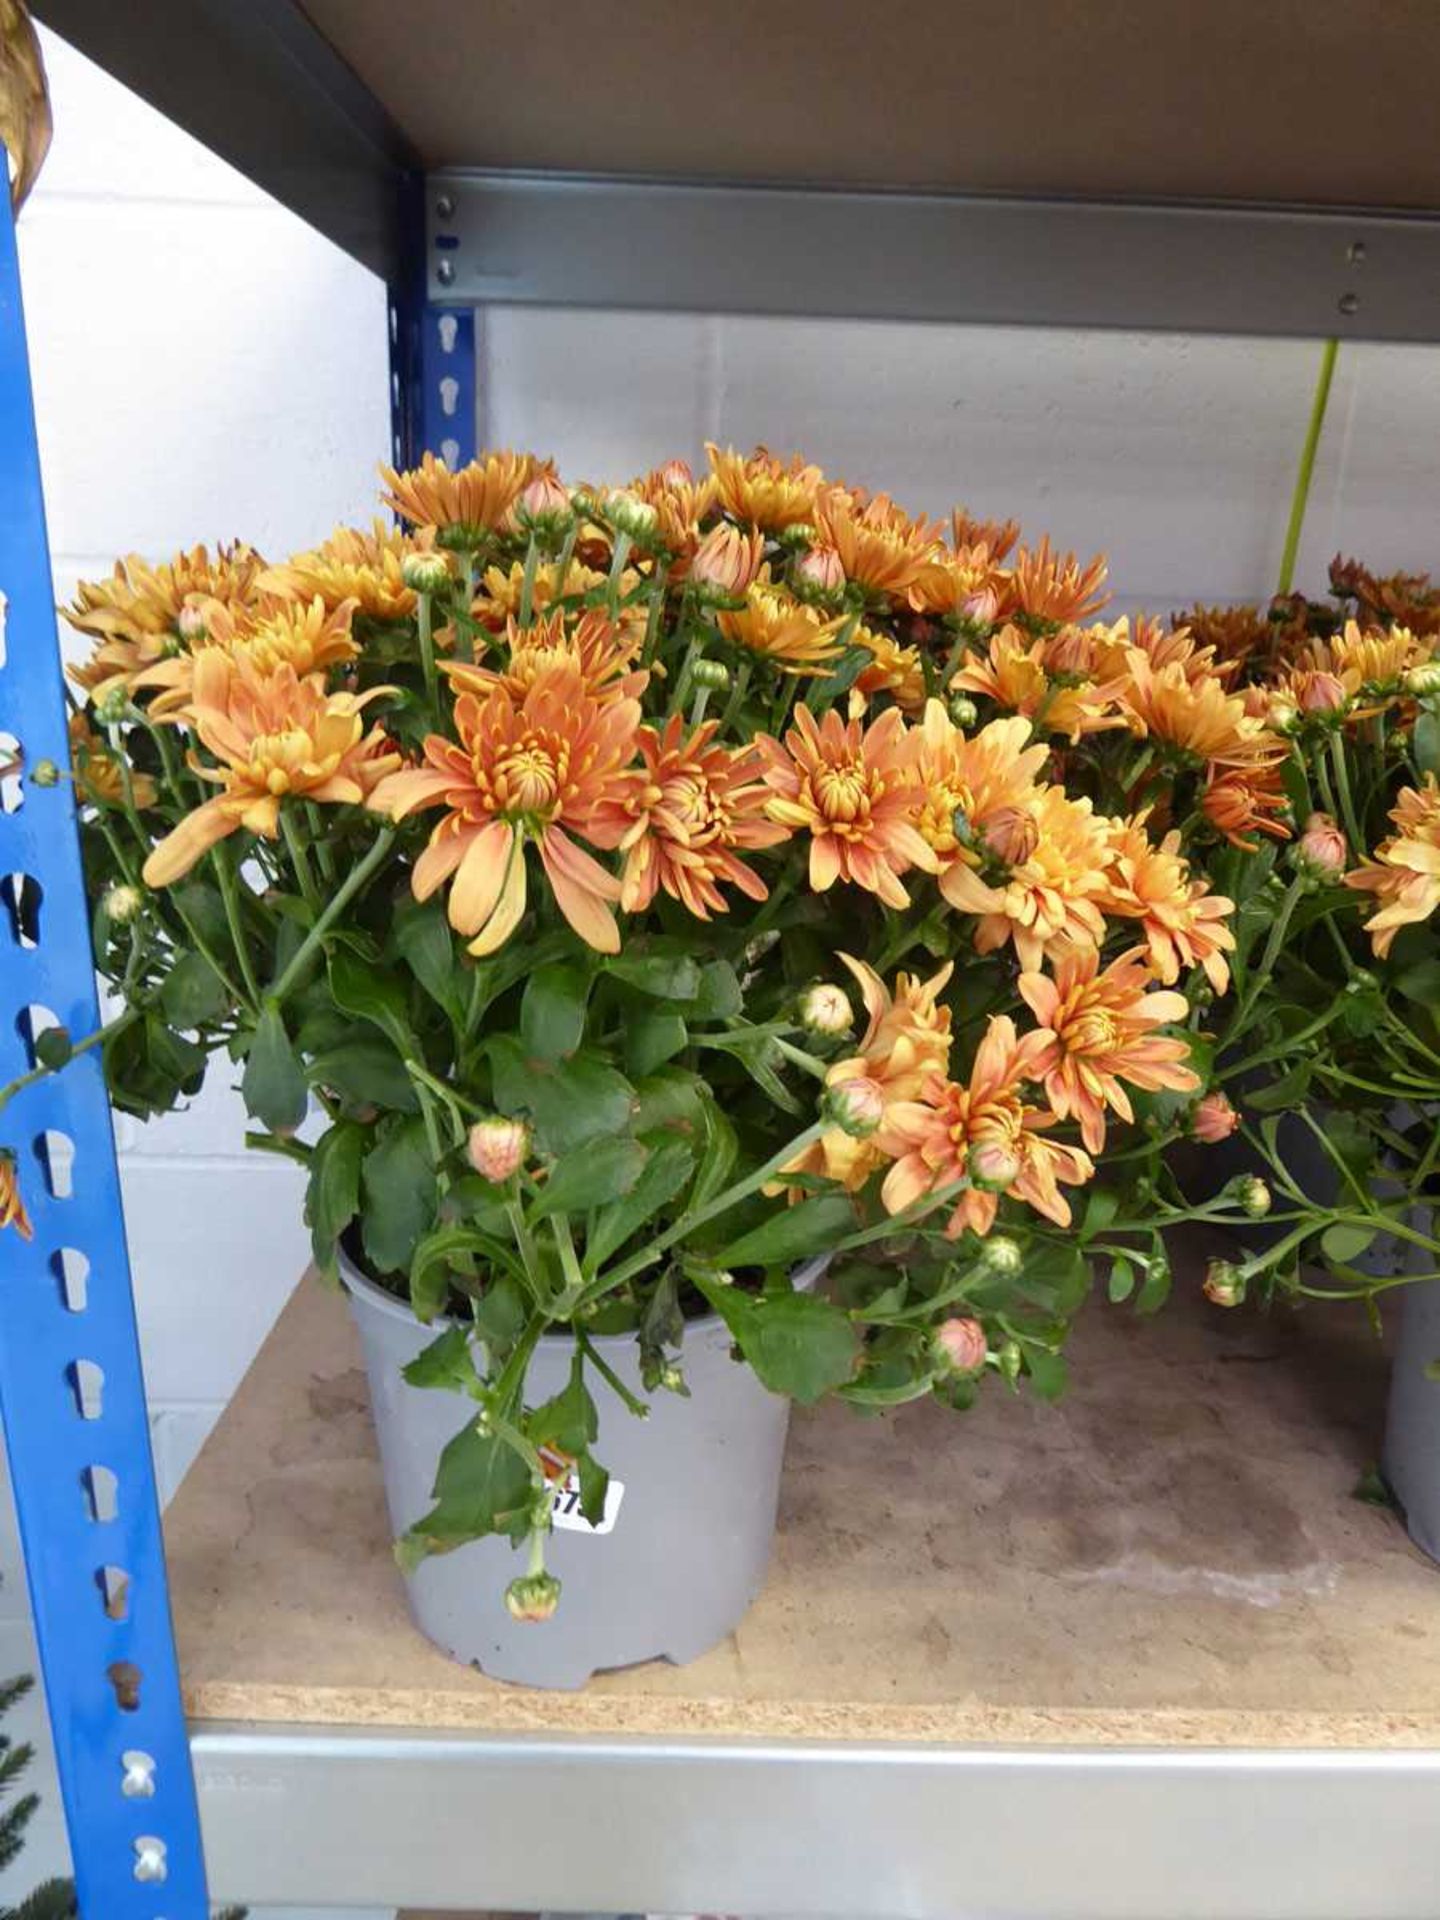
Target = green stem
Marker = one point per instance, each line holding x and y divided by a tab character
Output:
529	1252
527	582
1301	496
300	860
798	1057
1262	972
349	888
722	1203
220	857
737	695
423	622
617	567
95	1039
1347	804
612	1379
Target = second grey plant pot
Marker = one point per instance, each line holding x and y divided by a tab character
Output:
1412	1429
692	1533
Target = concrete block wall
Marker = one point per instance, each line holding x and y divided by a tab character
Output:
206	366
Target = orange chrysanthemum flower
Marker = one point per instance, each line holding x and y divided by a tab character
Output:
681	503
1013	673
1234	634
905	1045
680	816
363	568
100	774
274	736
594	648
855	791
880	547
135	615
1404	874
1367	661
1099	1029
535	768
268	632
781	629
975	786
1241	802
958	1132
464	508
996	536
893	669
1044	585
1184	924
724	563
1197	717
765	491
1052	894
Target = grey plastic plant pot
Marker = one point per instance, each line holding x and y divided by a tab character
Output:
1411	1461
689	1523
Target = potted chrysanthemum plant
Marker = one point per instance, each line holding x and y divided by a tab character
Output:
619	903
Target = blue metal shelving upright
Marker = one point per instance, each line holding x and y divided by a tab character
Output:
71	1390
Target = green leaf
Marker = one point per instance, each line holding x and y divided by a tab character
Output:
589	1176
273	1085
1342	1243
568	1422
1286	1092
433	1263
719	996
669	974
1047	1372
193	995
594	1486
672	1100
662	1320
1155	1288
365	1072
428	947
371	994
1122	1281
1425	742
446	1363
332	1198
571	1101
1419	982
653	1035
663	1176
719	1150
204	909
1101	1206
181	1060
762	1059
482	1486
500	1315
797	1343
793	1233
400	1194
552	1011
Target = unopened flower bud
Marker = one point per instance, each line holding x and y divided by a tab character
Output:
112	707
1002	1255
425	572
1322	692
628	513
1224	1284
121	904
1254	1197
676	473
825	1008
960	1344
818	573
543	507
1011	1358
534	1596
854	1106
993	1166
497	1147
981	608
711	673
725	562
1321	849
672	1379
1423	682
191	624
963	710
1283	716
45	773
1214	1119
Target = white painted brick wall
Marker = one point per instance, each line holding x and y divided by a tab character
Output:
206	366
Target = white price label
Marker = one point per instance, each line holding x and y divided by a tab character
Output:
565	1509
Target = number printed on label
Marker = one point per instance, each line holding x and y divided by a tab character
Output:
565	1511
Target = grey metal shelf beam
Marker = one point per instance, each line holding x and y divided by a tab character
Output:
550	240
457	1820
